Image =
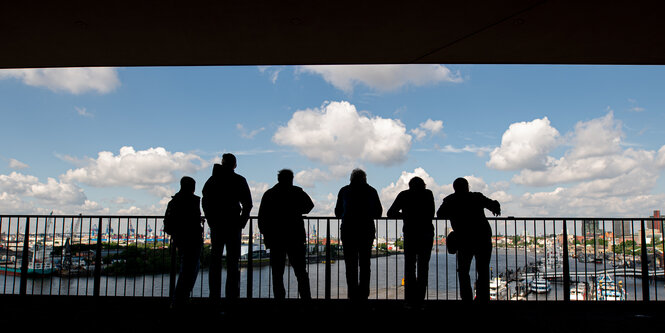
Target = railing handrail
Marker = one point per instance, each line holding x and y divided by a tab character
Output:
323	217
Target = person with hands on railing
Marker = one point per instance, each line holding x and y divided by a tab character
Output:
473	236
415	207
283	229
227	202
358	205
183	222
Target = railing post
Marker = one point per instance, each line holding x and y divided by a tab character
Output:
98	260
172	276
328	258
566	268
23	287
250	260
645	263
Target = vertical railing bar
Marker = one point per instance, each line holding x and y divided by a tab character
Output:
632	229
24	259
566	268
577	278
35	256
605	250
655	268
18	223
387	261
98	260
662	243
496	246
4	284
505	231
516	260
526	262
436	259
586	256
623	250
535	255
554	242
250	259
614	255
645	263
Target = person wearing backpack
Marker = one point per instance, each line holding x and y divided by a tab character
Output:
183	222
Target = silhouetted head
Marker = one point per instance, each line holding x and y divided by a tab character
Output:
460	185
358	176
285	176
229	161
416	183
187	184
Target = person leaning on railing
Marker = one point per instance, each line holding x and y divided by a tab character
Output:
466	212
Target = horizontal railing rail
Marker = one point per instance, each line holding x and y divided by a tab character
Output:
533	258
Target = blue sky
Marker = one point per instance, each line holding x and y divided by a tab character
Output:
543	140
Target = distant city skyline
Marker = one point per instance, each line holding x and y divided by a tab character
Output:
543	140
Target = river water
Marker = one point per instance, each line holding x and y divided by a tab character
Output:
387	273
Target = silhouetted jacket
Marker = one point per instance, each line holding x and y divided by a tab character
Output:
358	205
466	212
416	208
226	197
186	214
280	214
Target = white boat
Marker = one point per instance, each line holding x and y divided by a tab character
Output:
578	292
498	289
539	286
608	290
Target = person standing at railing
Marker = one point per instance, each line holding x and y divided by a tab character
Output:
183	222
416	207
227	202
283	229
466	212
358	205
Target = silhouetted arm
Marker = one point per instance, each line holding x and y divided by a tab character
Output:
339	207
376	204
492	205
307	204
395	210
444	210
245	201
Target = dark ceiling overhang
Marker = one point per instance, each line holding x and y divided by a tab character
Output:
272	32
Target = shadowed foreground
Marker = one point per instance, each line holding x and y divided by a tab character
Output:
113	314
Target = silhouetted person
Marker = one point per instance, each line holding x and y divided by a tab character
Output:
283	229
466	212
416	207
358	205
226	203
184	222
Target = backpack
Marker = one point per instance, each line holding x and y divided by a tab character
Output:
170	218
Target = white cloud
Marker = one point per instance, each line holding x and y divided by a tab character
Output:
17	165
248	134
139	169
525	145
596	154
307	178
428	127
337	135
72	80
382	78
83	111
17	186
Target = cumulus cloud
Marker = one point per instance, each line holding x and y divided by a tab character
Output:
17	165
428	127
338	135
307	178
382	78
596	153
16	186
139	169
72	80
525	145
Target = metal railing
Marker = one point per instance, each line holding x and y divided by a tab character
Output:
538	259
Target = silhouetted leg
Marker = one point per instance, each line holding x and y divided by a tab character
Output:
297	253
364	261
233	264
424	254
277	263
351	262
215	272
410	280
464	258
483	257
189	269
